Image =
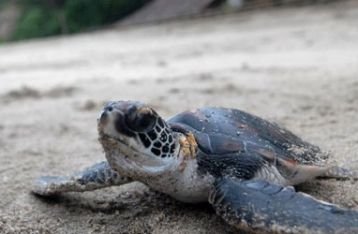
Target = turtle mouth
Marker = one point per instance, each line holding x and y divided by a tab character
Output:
110	142
114	140
129	158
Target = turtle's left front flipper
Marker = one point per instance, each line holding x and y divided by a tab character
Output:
97	176
257	205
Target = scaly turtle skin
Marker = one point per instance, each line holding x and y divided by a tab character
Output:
241	164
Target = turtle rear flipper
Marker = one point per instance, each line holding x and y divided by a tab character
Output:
337	172
257	205
97	176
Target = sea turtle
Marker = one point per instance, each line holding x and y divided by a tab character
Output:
243	165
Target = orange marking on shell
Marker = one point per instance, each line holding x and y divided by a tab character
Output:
188	147
193	146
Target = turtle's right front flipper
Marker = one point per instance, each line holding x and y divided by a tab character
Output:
257	205
97	176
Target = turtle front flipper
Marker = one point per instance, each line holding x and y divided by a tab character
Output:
257	205
97	176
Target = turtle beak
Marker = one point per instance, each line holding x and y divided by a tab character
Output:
104	116
113	117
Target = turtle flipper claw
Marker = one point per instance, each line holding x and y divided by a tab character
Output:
49	185
257	205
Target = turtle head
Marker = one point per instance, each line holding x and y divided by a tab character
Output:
135	133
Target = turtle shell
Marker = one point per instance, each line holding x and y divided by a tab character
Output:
222	131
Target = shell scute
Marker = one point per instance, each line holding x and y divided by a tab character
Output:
226	131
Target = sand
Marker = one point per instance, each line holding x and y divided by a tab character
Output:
295	66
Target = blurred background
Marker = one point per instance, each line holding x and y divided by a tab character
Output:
25	19
294	62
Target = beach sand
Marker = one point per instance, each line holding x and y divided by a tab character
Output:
294	66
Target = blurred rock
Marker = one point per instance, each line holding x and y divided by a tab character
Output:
9	14
236	4
159	10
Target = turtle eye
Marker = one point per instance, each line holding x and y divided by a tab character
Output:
141	119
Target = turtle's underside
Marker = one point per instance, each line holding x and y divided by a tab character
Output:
241	164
